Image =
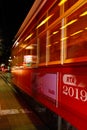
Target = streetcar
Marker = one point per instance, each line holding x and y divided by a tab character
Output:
49	58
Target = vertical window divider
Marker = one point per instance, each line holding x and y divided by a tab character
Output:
63	37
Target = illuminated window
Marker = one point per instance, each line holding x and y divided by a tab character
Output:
30	54
42	24
54	43
42	48
54	12
69	3
77	34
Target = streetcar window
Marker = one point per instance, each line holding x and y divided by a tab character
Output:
77	33
30	54
30	35
54	43
42	48
42	24
69	3
54	12
20	59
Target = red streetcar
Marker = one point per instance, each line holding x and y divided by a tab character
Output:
49	58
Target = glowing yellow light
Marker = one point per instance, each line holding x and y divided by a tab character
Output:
62	2
86	28
56	42
71	22
83	14
16	44
29	47
22	46
77	32
49	45
64	38
44	21
28	37
55	32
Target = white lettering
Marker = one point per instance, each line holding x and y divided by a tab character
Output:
83	95
75	93
69	79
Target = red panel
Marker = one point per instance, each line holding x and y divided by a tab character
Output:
61	89
73	91
23	78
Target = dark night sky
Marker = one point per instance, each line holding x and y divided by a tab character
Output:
12	14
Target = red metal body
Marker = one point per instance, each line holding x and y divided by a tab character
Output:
61	89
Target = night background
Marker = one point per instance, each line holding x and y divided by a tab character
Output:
12	14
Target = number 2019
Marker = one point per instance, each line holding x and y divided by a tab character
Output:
75	92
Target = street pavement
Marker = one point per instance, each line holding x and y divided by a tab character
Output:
15	113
